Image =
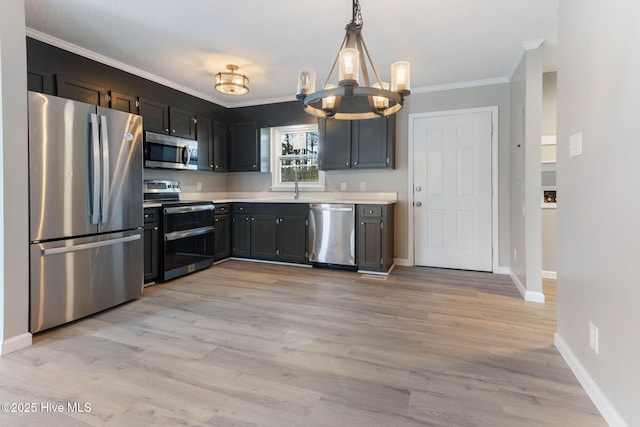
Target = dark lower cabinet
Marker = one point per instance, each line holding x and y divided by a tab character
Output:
264	236
375	237
292	238
151	244
240	231
222	234
270	231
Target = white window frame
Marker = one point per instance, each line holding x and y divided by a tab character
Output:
276	150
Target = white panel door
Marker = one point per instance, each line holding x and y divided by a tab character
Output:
452	191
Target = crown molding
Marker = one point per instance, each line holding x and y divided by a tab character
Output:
532	44
54	41
460	85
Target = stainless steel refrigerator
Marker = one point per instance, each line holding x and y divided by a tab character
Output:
86	220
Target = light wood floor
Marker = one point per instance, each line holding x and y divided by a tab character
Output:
256	344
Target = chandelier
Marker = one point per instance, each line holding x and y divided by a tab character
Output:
232	83
349	99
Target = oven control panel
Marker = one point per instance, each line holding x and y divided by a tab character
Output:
161	186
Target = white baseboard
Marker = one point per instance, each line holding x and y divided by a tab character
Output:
532	296
502	270
404	262
549	275
609	413
15	343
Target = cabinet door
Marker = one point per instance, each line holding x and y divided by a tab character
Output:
151	245
369	243
205	143
220	147
371	143
334	147
222	237
241	235
122	102
181	123
263	236
81	91
292	238
155	115
39	80
244	147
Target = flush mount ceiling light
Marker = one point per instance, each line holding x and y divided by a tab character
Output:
349	100
232	83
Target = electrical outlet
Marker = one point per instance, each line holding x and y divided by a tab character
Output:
363	186
594	338
343	186
199	186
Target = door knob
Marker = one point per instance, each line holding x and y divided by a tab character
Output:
418	204
418	189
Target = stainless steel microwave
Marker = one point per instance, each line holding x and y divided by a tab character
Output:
170	152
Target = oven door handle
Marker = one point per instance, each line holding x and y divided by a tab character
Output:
187	209
187	233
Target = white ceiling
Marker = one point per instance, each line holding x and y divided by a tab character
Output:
183	43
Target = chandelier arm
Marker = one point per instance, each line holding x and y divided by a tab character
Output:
335	61
373	67
363	64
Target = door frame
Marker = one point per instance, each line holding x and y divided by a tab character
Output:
495	241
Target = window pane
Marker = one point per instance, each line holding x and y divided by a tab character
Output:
299	143
306	170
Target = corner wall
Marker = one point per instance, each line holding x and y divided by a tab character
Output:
14	211
599	215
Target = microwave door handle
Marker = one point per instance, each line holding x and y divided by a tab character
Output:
105	169
185	155
95	169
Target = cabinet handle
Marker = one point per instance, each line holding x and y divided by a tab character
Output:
166	130
356	163
347	163
362	223
370	211
155	228
216	220
173	131
254	166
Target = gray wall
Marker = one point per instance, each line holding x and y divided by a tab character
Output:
599	238
14	212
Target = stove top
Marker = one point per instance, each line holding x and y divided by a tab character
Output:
167	192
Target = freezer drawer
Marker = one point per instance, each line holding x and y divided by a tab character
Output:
74	278
332	234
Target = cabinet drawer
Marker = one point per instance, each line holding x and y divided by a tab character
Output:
240	208
370	211
222	209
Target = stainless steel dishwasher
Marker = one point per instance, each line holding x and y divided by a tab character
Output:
332	234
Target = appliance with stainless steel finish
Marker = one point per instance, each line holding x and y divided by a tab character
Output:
332	236
187	230
170	152
85	192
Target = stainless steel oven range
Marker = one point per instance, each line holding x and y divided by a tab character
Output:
187	230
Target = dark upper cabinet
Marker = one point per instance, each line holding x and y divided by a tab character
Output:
78	90
161	118
346	144
373	143
182	123
220	147
155	115
39	80
334	149
244	147
375	237
205	143
123	102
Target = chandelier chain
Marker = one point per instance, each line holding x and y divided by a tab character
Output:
357	14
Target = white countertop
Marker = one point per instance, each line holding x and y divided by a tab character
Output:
364	198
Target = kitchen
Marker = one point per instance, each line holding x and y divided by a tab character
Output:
379	180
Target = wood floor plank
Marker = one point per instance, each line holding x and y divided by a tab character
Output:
252	344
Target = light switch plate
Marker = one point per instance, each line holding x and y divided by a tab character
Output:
575	145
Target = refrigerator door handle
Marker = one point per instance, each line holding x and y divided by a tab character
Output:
85	246
104	208
95	170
